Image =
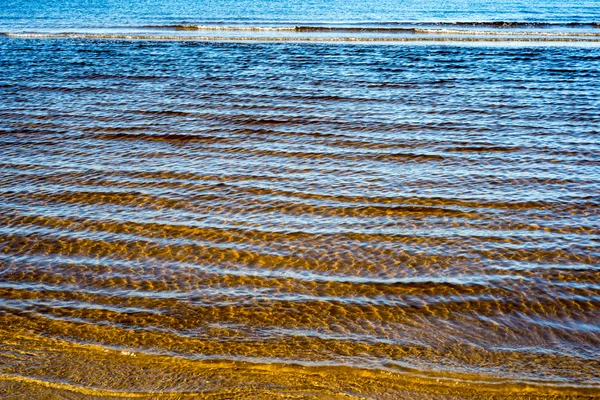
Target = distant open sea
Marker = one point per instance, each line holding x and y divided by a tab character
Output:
307	199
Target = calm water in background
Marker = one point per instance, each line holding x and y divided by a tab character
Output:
34	14
270	219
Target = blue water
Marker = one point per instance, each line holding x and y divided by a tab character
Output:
251	200
373	21
35	14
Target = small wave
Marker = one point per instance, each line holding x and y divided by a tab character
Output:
296	28
261	372
380	26
482	149
499	32
175	137
496	24
410	29
182	27
366	39
520	24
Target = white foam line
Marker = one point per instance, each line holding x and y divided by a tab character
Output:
297	38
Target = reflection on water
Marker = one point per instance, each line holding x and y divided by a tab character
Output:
271	220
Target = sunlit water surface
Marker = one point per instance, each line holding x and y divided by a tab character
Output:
264	219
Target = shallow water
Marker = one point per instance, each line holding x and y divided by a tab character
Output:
272	219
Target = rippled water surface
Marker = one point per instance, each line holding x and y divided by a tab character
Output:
254	218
